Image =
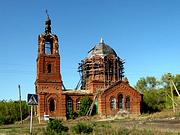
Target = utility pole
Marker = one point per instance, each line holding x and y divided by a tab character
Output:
172	98
172	95
20	103
175	88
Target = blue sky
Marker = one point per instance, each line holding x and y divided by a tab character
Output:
146	33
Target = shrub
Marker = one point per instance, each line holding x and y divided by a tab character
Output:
82	128
154	101
123	131
84	106
71	114
55	127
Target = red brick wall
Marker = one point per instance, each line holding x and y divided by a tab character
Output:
48	81
75	98
44	105
126	90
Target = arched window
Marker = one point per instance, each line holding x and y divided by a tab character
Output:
49	68
52	105
78	103
69	105
113	103
120	102
47	47
128	103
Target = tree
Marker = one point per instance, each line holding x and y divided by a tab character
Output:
141	85
152	82
154	93
148	83
177	81
84	106
165	80
154	100
9	112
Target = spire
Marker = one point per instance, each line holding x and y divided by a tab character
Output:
48	24
101	41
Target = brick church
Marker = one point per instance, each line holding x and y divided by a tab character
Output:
101	79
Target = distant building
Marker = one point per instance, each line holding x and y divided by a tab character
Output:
101	72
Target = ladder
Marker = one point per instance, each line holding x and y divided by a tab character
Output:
92	105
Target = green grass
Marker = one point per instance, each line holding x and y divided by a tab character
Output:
113	127
102	128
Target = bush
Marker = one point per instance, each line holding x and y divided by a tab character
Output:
84	106
71	115
82	128
55	127
154	101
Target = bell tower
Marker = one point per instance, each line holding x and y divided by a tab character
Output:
48	77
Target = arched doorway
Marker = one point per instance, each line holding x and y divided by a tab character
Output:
52	105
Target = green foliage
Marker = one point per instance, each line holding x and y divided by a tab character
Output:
155	92
154	100
10	111
55	127
148	83
177	81
84	106
82	128
72	115
122	131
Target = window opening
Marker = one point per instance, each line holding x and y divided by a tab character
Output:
113	103
69	105
120	102
128	103
49	68
52	105
47	47
78	103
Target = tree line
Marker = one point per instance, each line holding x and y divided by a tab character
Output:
157	93
10	111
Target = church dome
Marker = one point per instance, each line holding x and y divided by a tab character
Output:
101	49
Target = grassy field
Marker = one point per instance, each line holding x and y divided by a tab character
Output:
115	127
163	123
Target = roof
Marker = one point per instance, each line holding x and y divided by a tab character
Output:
123	82
101	49
76	92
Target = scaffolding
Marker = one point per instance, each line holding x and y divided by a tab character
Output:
108	69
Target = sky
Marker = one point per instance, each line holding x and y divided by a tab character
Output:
145	33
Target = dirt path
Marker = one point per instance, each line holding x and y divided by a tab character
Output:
163	125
